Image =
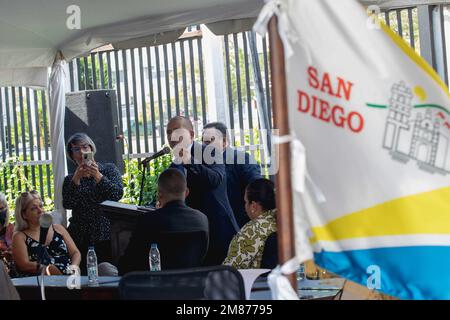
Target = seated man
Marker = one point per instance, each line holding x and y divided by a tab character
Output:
180	232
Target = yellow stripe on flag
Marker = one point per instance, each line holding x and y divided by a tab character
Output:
415	57
424	213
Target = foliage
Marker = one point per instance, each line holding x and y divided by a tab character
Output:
90	81
406	32
26	109
242	79
132	180
12	171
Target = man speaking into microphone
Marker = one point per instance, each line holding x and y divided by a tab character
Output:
207	186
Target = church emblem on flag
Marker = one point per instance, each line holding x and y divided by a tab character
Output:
417	132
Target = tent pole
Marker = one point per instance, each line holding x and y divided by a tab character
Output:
285	218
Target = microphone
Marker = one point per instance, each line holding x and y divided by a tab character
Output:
158	154
45	221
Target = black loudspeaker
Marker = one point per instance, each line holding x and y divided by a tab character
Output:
94	112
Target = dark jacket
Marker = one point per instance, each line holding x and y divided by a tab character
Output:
206	181
241	169
87	224
174	218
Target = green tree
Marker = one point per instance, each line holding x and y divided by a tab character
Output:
89	82
132	180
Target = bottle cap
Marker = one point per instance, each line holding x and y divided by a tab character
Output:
154	245
91	248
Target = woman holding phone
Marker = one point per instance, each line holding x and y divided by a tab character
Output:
83	191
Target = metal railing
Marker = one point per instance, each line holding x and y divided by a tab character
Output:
25	141
155	83
152	83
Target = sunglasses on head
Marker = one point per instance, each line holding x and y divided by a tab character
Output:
26	193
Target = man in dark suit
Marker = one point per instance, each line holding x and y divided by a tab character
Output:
206	180
167	226
241	168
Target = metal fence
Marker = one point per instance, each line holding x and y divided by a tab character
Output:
244	68
152	83
155	83
25	141
424	29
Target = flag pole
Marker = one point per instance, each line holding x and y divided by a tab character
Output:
285	218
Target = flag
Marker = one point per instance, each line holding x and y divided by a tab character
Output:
374	120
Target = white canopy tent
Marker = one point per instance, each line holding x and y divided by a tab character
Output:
34	36
32	32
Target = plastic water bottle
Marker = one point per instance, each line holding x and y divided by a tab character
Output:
301	272
154	259
92	267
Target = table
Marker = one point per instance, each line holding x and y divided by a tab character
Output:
324	289
56	288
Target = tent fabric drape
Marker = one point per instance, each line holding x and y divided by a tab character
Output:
57	107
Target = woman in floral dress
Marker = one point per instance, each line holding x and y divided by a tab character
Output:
246	248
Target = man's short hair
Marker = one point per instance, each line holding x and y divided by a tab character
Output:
186	123
172	181
218	126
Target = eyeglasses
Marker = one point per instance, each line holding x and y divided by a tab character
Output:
84	147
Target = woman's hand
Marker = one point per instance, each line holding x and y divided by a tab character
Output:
52	270
92	171
7	254
80	172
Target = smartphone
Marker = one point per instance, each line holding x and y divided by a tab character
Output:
88	157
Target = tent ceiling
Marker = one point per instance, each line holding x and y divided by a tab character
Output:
41	24
31	32
393	4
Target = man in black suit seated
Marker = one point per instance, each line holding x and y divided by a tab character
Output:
181	232
206	180
241	168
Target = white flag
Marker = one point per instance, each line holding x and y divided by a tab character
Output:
374	119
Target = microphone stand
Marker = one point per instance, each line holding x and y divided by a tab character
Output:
44	259
145	164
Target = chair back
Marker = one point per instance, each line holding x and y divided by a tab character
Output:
204	283
181	250
270	252
7	289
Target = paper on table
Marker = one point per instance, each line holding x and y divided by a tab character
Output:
249	276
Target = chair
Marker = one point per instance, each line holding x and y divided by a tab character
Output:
270	252
204	283
7	289
180	250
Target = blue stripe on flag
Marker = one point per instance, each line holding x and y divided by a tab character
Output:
421	272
